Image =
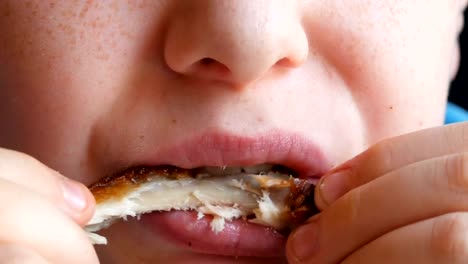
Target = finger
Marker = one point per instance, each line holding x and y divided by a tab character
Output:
440	240
388	155
70	196
30	220
16	254
418	191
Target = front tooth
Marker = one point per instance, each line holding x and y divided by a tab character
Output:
219	171
258	169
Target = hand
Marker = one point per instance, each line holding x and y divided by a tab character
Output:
405	200
41	214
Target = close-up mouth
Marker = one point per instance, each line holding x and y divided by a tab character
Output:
214	193
241	211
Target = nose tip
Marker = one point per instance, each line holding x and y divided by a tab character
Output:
236	44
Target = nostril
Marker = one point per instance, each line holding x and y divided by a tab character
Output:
286	62
212	67
207	61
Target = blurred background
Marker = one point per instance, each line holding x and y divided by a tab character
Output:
459	89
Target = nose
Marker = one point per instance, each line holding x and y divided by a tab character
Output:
236	42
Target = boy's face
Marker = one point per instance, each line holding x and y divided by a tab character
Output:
90	87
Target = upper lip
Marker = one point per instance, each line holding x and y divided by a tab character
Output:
227	149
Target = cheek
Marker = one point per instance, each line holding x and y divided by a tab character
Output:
414	69
57	76
63	64
394	57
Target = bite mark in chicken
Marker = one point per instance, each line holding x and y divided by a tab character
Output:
261	194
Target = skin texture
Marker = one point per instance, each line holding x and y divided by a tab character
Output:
90	87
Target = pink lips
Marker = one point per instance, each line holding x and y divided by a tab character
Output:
239	238
222	149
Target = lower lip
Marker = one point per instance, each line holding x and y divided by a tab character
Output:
239	238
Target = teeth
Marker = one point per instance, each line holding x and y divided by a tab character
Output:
218	171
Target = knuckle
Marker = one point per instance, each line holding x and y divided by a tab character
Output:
456	171
464	136
12	154
384	153
455	137
449	238
18	254
353	205
9	158
28	159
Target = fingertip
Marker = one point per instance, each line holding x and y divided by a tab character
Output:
79	202
88	212
302	244
330	188
319	201
290	251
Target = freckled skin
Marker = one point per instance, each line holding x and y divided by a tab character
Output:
90	86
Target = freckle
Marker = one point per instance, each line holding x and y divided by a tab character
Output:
142	137
49	65
390	107
85	8
69	30
115	6
51	4
77	61
105	57
174	121
189	244
6	12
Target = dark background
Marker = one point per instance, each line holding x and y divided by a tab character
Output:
459	89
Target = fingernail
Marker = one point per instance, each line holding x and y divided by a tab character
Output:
305	241
74	195
333	186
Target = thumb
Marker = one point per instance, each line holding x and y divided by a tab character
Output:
71	197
